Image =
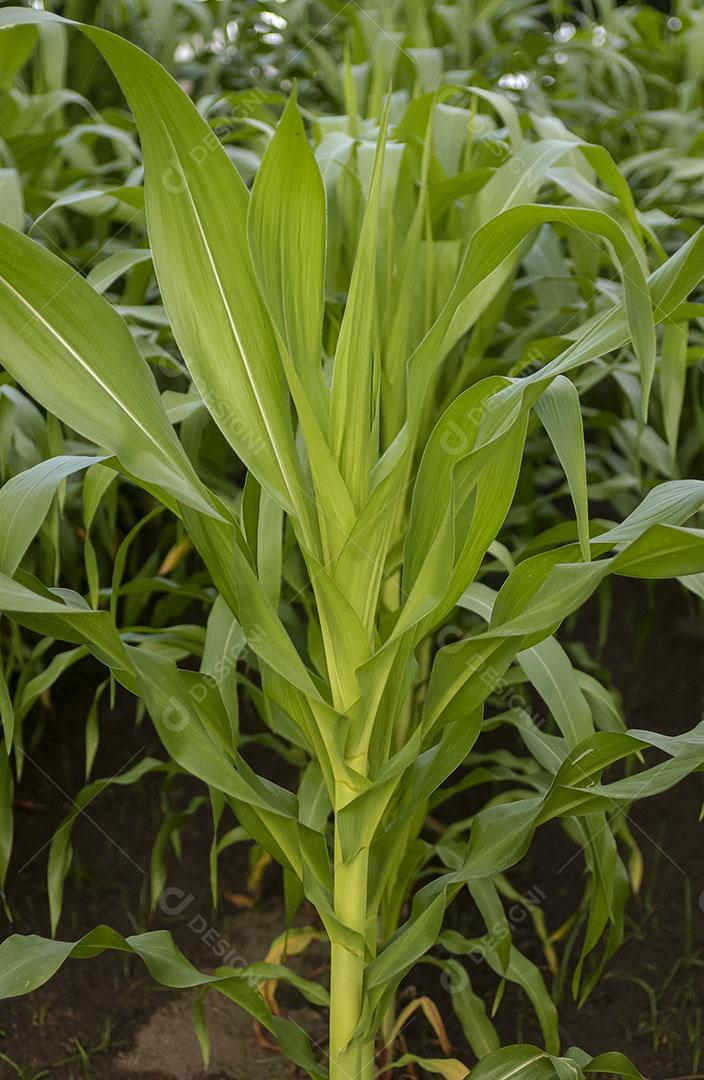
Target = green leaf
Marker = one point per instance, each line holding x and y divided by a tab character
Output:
353	374
7	790
74	354
25	502
287	240
11	197
26	962
560	412
197	207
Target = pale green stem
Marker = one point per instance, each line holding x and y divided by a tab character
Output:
354	1062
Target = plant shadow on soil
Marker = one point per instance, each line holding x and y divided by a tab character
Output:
105	1018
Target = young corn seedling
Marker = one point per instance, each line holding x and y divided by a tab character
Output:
392	524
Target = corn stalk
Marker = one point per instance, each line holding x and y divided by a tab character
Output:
393	517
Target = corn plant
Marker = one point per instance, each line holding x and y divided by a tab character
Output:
388	523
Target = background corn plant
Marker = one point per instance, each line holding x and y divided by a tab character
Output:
384	498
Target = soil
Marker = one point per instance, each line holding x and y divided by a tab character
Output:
105	1019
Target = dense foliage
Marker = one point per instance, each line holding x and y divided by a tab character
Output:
405	363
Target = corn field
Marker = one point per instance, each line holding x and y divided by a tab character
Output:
351	546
